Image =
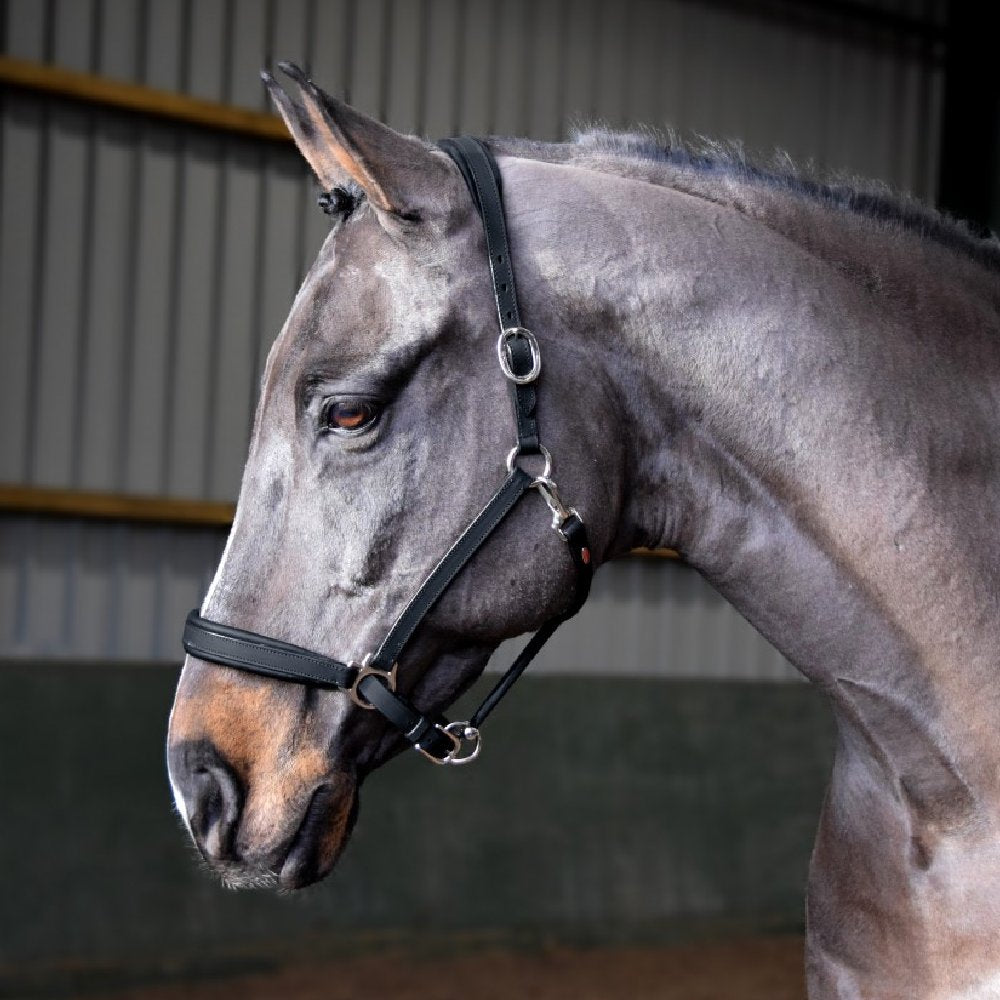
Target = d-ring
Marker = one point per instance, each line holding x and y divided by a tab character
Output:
456	745
545	453
387	676
503	353
467	734
458	733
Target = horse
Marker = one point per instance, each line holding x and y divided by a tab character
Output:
793	383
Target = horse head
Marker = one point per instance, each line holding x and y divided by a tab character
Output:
382	427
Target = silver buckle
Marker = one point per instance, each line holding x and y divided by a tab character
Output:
458	733
389	676
503	353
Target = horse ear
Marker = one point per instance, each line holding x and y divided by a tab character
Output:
398	173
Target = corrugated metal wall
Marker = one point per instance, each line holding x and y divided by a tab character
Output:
146	267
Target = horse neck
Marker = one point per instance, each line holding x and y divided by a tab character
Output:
811	405
802	432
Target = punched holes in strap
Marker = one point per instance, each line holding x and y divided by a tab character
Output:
521	363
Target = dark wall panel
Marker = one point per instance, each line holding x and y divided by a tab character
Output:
654	810
146	268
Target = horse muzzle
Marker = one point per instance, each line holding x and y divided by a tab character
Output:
259	833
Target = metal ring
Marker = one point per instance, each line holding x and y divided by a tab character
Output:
456	745
466	734
458	733
504	354
546	454
389	676
542	483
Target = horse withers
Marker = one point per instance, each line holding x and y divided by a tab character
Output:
795	385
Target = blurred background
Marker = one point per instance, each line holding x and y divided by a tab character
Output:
642	818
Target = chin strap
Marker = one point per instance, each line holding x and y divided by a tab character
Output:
372	684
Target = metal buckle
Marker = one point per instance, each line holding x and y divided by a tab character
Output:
389	676
545	453
550	494
503	353
458	733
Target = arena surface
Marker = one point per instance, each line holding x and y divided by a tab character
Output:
768	968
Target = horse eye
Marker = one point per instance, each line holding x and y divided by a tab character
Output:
349	416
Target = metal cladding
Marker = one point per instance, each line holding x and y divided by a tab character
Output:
146	266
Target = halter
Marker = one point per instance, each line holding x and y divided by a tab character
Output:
372	683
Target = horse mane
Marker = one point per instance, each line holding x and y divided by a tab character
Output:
874	200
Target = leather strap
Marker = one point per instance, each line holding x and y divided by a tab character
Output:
233	647
427	734
575	533
423	732
483	179
468	544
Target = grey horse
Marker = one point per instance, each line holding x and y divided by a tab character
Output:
797	386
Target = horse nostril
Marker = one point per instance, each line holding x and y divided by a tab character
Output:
215	811
212	798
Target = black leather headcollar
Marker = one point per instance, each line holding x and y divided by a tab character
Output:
372	684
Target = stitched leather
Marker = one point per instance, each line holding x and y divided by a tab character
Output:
575	533
477	164
483	179
467	545
524	397
418	729
234	647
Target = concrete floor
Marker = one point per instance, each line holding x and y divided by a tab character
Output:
767	968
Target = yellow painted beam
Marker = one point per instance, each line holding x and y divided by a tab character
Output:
99	90
114	506
16	499
655	553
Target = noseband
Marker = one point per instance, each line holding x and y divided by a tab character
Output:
372	684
